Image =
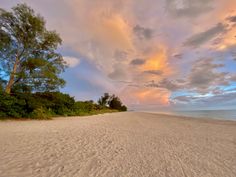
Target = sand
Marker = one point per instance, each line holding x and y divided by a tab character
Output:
118	145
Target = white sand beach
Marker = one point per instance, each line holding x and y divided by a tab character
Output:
118	145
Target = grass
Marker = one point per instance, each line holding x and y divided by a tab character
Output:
96	112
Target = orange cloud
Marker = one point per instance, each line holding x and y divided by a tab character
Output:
145	96
228	39
111	30
100	30
226	9
158	62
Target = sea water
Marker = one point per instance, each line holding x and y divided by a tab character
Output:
214	114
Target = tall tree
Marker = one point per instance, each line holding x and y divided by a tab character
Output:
112	102
28	51
104	100
115	103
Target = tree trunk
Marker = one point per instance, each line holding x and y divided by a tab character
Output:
12	77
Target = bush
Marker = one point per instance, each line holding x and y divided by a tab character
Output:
111	101
115	103
59	103
40	113
10	106
36	105
123	108
85	106
43	105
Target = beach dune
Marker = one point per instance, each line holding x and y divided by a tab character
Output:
118	145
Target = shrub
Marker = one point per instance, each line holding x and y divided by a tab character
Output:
111	101
123	108
40	113
84	106
115	103
59	103
10	106
35	105
43	105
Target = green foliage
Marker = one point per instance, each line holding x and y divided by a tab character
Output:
44	105
40	113
104	100
123	108
86	108
59	103
115	103
37	105
2	84
111	101
28	51
11	106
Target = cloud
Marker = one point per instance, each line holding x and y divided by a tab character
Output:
119	72
158	61
178	55
217	91
143	33
166	84
183	99
137	61
204	75
85	82
188	8
222	98
203	37
226	51
170	85
232	19
181	81
145	96
217	100
154	72
71	61
118	39
152	84
233	77
120	55
101	34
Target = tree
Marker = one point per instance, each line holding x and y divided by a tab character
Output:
104	100
115	103
28	54
112	102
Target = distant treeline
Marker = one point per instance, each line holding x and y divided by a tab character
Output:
44	105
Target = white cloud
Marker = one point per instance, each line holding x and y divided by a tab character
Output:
71	61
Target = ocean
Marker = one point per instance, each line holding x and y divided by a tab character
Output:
214	114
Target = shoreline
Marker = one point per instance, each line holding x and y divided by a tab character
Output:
167	114
174	114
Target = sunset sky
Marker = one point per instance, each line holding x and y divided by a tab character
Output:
153	54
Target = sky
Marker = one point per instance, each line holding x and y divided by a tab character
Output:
153	54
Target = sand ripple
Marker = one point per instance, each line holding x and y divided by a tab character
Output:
118	145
